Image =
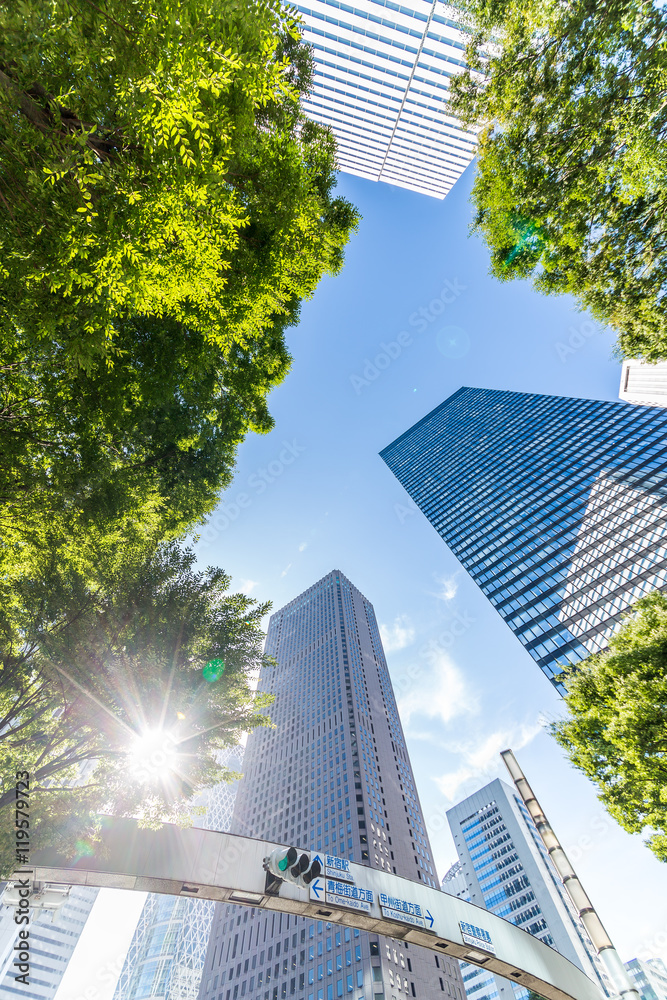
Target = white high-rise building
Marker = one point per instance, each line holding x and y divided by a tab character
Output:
508	871
643	383
650	978
53	937
382	79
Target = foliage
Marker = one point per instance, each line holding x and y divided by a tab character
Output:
616	732
152	437
164	208
571	187
156	162
94	656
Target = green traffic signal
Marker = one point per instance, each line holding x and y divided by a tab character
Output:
288	860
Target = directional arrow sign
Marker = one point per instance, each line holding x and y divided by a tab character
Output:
428	916
317	889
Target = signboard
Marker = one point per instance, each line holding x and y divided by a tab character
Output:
476	936
406	918
338	893
406	912
333	867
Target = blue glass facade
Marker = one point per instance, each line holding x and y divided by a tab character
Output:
557	508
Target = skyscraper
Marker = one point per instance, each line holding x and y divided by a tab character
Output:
166	955
53	937
643	383
508	871
334	774
649	977
556	507
382	80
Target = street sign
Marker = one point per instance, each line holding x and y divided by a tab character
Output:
339	893
334	867
344	894
401	909
476	936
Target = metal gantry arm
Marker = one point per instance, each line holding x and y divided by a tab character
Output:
204	864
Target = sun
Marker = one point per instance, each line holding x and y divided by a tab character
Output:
152	755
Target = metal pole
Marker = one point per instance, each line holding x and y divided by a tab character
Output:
583	905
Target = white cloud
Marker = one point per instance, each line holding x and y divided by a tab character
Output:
448	587
247	586
397	636
481	761
302	546
438	691
287	569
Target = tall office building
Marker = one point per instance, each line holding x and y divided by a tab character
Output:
556	507
334	774
649	978
643	383
382	80
166	955
508	871
53	937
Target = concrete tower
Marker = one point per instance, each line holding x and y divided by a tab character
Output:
333	775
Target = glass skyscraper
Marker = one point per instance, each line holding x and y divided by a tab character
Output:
54	934
650	978
382	81
166	955
557	508
507	870
333	775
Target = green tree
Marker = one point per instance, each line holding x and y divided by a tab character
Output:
616	731
164	208
155	162
571	186
106	698
152	437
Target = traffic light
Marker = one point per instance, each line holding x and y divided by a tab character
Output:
288	865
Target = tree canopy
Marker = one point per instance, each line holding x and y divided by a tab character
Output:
164	208
155	161
153	437
571	186
120	680
616	731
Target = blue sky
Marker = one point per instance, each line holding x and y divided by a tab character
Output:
413	316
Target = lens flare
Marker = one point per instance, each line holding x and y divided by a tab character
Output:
213	670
